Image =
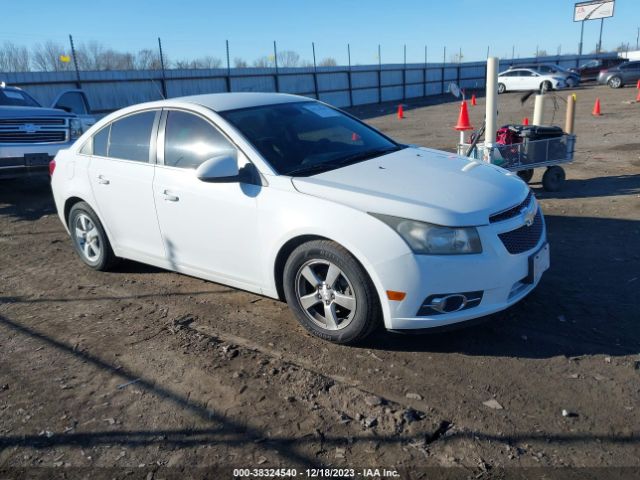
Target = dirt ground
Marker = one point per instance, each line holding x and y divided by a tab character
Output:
148	373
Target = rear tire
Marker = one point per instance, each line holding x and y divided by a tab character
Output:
330	293
615	82
553	178
89	238
526	175
501	88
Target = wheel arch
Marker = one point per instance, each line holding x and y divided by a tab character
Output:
290	245
68	205
284	253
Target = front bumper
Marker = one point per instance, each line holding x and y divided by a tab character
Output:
500	276
18	160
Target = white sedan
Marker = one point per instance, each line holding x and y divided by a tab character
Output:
519	79
293	199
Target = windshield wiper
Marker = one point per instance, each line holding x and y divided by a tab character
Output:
345	161
358	157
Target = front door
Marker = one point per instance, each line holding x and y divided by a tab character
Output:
208	229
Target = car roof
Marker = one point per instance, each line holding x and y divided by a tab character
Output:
220	102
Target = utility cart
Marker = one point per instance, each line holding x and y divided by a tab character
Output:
522	148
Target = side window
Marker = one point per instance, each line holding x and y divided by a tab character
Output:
190	140
73	102
100	141
130	137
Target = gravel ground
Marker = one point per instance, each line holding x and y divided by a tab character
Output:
155	373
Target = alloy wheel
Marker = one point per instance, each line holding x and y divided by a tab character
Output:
87	237
325	294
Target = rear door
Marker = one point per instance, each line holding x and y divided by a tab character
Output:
121	176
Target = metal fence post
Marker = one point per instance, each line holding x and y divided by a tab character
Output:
349	80
444	62
228	77
315	71
275	60
424	74
404	75
379	76
75	62
163	80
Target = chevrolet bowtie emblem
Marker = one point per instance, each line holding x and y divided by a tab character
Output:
530	214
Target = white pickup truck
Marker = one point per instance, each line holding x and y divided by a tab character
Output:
31	135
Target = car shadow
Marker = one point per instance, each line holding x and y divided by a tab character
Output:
593	187
26	198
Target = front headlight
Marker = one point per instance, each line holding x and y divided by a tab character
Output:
75	128
426	238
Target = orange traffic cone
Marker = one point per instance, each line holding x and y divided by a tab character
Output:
463	118
400	112
638	97
525	121
473	100
638	85
596	108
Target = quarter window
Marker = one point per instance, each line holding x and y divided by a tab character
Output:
130	137
100	141
191	140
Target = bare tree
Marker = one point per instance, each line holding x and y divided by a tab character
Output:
46	57
263	62
541	53
288	58
147	59
240	63
207	62
328	62
14	58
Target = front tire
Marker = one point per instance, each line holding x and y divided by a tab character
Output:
546	86
330	293
89	238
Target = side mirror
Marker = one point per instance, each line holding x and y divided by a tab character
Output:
222	168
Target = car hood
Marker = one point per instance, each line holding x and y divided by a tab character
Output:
12	111
420	184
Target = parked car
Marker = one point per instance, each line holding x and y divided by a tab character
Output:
627	73
31	135
589	71
293	199
572	79
518	79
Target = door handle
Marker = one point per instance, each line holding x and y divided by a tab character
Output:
102	180
169	197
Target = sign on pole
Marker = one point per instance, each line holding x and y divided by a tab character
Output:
593	10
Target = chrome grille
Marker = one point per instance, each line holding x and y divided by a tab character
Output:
511	212
36	137
33	120
33	130
524	238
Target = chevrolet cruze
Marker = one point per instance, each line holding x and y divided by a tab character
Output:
291	198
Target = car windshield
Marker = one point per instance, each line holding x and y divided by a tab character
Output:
16	98
305	138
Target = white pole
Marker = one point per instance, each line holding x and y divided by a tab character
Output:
538	110
491	112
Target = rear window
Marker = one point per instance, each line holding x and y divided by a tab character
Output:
130	137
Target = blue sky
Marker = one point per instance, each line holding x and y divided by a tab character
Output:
193	28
